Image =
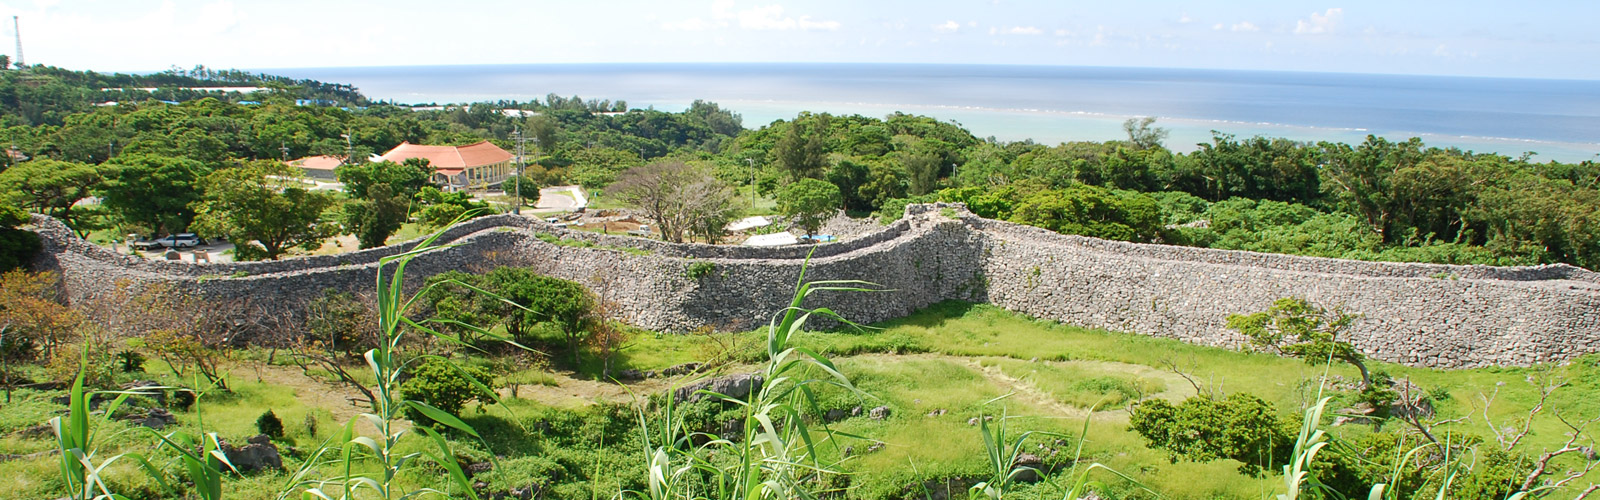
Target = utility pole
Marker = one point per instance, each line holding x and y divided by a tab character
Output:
349	150
752	162
285	149
16	27
521	145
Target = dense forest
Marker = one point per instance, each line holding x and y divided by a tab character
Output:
1383	199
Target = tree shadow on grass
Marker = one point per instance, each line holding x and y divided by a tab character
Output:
933	316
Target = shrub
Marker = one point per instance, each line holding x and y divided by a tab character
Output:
699	270
534	473
130	361
1240	427
340	322
269	424
442	385
182	399
310	423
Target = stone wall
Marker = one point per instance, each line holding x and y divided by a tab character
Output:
1433	315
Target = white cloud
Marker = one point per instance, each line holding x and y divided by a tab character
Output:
1217	27
765	18
1185	19
1244	26
1023	30
1321	23
947	27
807	24
1062	32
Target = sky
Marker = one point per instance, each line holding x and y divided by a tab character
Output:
1535	39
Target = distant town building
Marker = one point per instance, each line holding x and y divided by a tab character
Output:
318	167
473	165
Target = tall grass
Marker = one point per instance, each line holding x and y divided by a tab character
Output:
202	456
75	438
388	363
776	455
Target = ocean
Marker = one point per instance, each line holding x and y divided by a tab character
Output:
1556	119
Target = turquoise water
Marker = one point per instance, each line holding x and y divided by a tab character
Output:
1557	119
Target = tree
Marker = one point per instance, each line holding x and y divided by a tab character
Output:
809	202
339	322
1295	327
598	167
565	304
153	192
923	170
52	188
677	196
1362	179
543	129
538	299
440	208
374	219
713	207
850	176
800	150
721	121
17	246
404	179
263	210
35	323
1091	211
1142	135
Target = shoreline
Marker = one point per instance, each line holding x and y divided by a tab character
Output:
1057	104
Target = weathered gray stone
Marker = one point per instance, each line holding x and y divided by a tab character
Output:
734	386
879	413
1419	314
256	456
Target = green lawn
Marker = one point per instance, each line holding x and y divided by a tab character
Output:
936	370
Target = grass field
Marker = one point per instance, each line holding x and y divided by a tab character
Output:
937	371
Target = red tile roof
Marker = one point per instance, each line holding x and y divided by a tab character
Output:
319	162
450	157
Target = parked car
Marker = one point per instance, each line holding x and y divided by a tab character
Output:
144	244
181	240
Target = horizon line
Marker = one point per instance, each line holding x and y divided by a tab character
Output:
267	70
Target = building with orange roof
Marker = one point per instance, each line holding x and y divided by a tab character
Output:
318	167
474	165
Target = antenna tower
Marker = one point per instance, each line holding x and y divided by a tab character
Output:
16	28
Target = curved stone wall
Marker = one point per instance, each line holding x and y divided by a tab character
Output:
1422	314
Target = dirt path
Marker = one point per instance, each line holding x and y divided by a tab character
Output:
312	392
570	391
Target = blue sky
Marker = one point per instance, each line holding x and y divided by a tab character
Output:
1537	39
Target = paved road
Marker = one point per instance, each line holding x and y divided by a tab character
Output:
562	198
214	252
